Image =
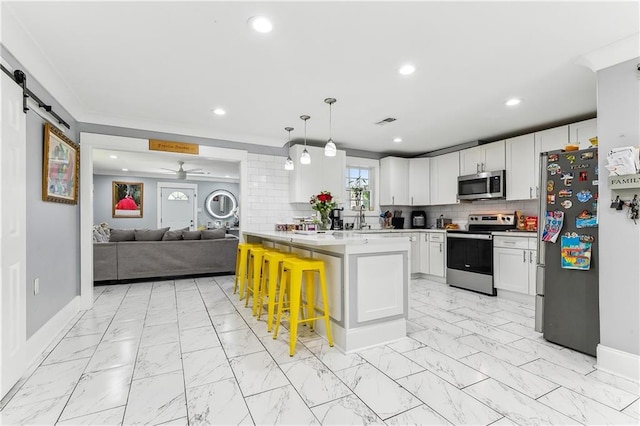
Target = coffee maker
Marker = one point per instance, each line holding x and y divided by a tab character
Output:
418	219
336	219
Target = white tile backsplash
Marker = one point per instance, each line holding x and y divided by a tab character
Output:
268	200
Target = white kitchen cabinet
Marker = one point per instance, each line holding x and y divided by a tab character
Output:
414	237
549	140
419	181
582	131
437	253
443	178
323	174
394	181
514	264
484	158
424	253
521	168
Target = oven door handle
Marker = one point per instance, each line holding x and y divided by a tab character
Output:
471	236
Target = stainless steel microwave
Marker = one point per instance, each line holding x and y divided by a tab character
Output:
481	186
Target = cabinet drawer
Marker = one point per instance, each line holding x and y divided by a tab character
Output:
533	243
436	237
511	242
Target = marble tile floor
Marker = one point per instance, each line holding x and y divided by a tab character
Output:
187	352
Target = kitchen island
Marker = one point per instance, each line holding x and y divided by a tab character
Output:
367	282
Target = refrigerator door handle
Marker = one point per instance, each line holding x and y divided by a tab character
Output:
542	209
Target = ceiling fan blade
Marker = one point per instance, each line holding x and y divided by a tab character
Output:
169	170
193	170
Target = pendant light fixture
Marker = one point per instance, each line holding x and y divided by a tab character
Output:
330	147
288	164
305	157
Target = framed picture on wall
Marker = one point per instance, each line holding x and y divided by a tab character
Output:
127	199
60	167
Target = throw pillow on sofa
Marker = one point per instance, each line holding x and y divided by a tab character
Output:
213	234
175	235
122	235
191	235
150	234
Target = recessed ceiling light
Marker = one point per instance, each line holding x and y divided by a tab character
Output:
125	170
261	24
219	111
227	176
407	69
513	102
396	140
113	156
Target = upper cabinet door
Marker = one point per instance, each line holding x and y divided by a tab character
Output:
521	164
394	181
484	158
470	160
582	131
494	156
419	181
443	178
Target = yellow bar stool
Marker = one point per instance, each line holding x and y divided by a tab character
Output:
255	274
271	277
294	269
242	261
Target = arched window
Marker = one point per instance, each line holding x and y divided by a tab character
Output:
178	196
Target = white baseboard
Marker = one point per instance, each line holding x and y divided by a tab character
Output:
42	338
618	362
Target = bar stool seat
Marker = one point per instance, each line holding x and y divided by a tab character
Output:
294	270
242	261
271	277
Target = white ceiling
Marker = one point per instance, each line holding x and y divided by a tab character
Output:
163	66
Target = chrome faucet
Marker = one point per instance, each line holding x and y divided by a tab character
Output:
359	222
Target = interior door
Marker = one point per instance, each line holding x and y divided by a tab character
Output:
178	207
13	242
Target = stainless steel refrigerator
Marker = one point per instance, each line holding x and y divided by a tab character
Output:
567	306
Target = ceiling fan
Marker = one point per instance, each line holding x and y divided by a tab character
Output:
182	173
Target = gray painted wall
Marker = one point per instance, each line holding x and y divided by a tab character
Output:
618	126
53	237
102	196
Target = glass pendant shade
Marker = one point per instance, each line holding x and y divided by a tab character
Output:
305	158
288	164
330	149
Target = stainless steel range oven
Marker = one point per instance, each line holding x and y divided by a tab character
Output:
470	252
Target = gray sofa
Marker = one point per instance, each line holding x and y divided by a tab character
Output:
126	260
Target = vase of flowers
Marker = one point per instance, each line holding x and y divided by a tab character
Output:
323	203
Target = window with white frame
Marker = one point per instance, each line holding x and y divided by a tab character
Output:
358	188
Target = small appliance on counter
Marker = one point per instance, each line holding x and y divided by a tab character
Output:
418	219
442	222
337	223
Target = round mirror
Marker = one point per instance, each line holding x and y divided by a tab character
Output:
221	204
